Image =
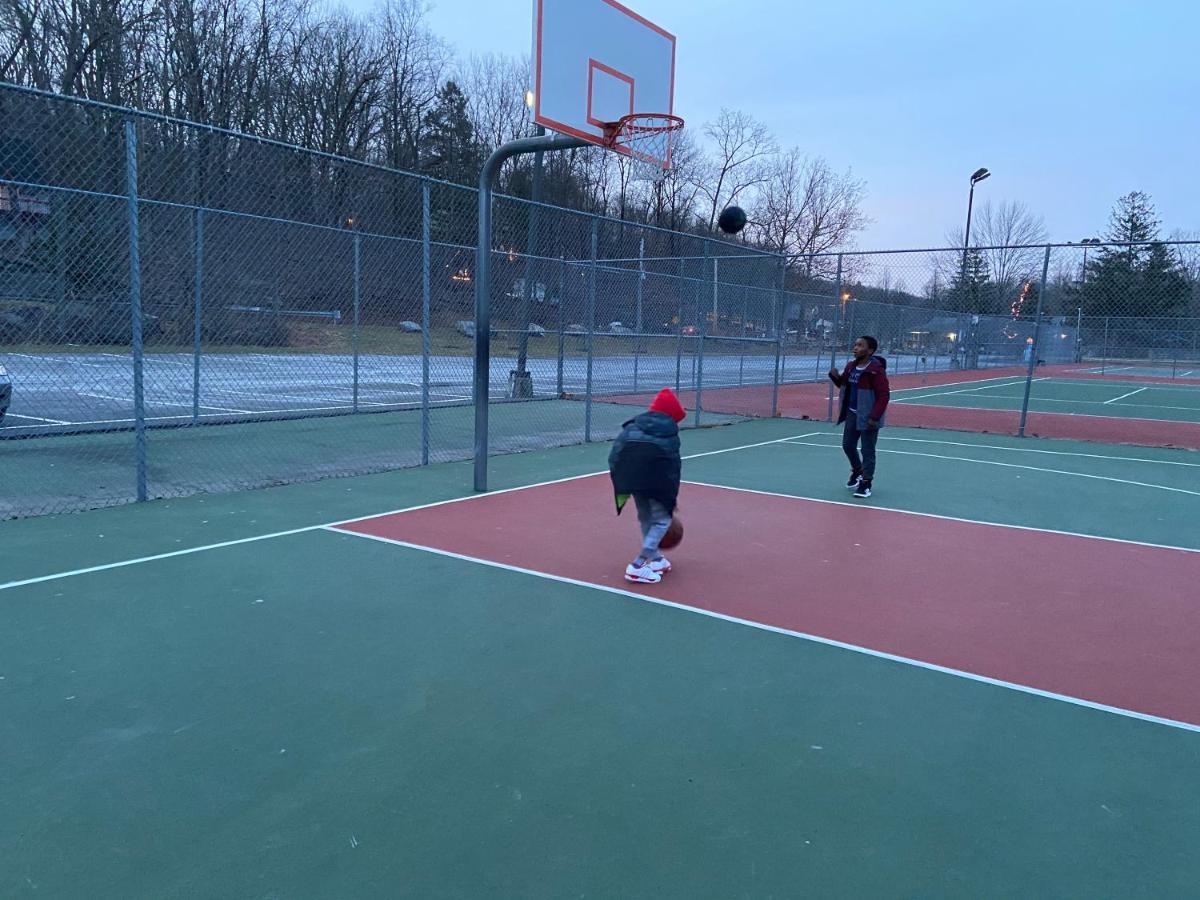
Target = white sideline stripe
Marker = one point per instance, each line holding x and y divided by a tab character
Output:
1060	400
13	415
925	515
415	404
987	387
1138	459
993	462
956	383
816	639
1009	383
120	564
1117	417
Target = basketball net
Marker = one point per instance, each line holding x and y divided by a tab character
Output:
645	139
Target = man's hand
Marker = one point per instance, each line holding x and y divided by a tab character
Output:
834	373
872	424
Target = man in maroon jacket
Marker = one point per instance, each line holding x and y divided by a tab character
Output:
865	395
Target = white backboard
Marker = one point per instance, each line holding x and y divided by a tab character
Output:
595	61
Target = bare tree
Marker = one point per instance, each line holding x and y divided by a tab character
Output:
495	86
1006	232
415	63
804	208
741	147
672	201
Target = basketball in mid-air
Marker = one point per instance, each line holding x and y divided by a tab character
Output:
732	219
674	534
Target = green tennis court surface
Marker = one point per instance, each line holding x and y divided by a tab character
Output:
980	684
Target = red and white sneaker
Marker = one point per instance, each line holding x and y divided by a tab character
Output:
662	565
642	574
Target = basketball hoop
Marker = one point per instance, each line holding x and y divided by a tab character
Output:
646	139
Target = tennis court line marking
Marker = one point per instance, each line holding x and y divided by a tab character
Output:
953	383
1060	400
187	551
927	515
804	636
1005	409
156	402
986	387
1164	462
993	462
13	415
398	407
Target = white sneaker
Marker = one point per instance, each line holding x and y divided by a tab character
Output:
662	565
642	574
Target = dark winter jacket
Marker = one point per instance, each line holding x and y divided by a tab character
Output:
645	460
873	392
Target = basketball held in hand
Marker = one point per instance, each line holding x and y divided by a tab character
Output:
674	534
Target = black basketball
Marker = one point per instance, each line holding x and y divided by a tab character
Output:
732	219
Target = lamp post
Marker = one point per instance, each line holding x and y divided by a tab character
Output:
977	176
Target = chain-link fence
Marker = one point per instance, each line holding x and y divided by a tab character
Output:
185	309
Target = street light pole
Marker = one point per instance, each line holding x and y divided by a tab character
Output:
977	176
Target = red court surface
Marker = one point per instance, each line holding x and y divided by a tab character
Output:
1106	622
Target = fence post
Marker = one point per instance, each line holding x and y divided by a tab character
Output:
837	322
198	310
641	277
425	322
777	323
1037	331
591	329
357	302
716	287
742	355
562	302
679	326
135	309
1104	352
1078	335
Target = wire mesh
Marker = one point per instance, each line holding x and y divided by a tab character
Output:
186	309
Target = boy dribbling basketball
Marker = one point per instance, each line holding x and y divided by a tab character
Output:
645	464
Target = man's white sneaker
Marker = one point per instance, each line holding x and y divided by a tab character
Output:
641	574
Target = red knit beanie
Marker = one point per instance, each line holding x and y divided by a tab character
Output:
667	403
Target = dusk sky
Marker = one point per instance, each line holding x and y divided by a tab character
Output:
1070	104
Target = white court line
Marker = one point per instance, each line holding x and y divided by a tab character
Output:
956	383
151	401
1058	400
963	391
992	462
104	567
13	415
1123	396
1144	383
760	626
925	515
1111	418
1138	459
258	412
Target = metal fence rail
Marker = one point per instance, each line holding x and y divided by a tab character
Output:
184	309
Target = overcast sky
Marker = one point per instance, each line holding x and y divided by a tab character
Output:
1070	104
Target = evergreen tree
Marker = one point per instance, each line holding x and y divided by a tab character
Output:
1136	274
967	288
448	148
